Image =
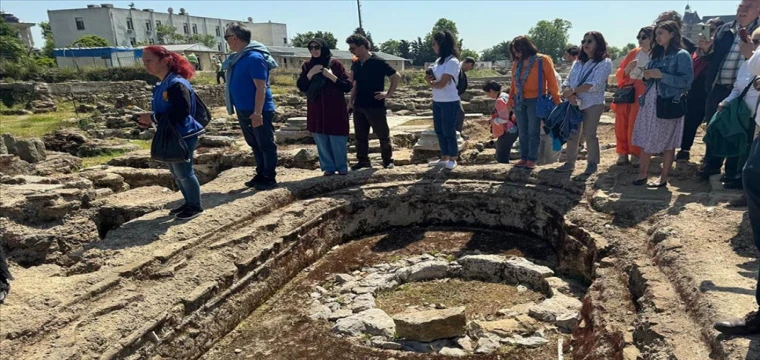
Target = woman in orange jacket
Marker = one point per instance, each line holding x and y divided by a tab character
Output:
524	93
630	73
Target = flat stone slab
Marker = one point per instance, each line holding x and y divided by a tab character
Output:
431	325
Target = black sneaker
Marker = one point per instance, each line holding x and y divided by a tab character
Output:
5	289
188	213
177	210
683	156
735	184
748	325
361	165
266	184
252	183
707	171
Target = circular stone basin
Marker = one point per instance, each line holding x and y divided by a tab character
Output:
349	302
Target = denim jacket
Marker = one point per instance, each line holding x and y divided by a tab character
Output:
677	75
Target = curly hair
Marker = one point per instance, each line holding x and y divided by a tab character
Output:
176	63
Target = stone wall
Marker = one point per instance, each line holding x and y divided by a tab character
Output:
117	93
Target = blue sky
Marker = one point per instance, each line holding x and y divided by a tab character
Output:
481	24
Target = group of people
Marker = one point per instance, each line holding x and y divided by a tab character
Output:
668	86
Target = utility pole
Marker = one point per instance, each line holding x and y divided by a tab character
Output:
359	8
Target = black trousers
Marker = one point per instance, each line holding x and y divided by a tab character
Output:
718	94
375	118
751	178
504	147
220	76
695	113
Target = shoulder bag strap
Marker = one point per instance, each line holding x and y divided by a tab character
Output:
541	87
746	89
587	74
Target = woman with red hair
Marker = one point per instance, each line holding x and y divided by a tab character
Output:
174	101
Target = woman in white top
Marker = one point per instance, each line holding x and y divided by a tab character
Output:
744	79
584	87
446	102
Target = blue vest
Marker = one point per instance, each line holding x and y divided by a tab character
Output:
160	104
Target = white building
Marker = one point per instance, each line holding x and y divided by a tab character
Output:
24	29
129	27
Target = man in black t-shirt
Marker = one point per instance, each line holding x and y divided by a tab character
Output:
368	74
462	85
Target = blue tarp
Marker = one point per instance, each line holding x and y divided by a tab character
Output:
101	52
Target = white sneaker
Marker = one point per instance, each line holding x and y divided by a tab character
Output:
451	164
437	163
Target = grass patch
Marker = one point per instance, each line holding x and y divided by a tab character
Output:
34	125
105	158
204	78
482	73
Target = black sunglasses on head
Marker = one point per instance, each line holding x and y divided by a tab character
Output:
314	47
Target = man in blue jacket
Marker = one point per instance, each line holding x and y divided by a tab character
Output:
249	95
726	54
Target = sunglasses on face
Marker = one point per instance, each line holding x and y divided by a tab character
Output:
588	41
756	42
642	37
314	47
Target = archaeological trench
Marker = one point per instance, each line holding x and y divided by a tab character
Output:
483	262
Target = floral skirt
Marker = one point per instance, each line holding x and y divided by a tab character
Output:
652	134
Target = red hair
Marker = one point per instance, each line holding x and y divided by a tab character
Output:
177	63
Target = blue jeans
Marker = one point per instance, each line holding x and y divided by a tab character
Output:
445	116
333	152
261	140
529	129
185	178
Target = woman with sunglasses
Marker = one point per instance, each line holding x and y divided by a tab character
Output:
325	82
668	77
697	96
584	87
631	73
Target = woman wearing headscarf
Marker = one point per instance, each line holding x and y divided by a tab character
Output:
324	81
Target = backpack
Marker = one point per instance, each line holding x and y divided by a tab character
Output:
202	115
461	83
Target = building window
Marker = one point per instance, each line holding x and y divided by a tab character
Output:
80	23
219	46
218	31
130	25
195	29
158	23
133	41
151	41
185	28
285	40
148	25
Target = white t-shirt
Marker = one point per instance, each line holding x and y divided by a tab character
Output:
449	92
642	59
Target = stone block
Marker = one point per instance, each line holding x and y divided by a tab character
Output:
431	325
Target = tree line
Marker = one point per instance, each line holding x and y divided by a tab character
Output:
551	37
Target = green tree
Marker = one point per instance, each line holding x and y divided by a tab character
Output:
444	24
11	46
405	49
629	47
469	53
302	40
47	33
497	52
614	52
207	40
90	41
550	37
392	47
367	35
168	34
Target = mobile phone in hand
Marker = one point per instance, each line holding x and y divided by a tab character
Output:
744	35
429	72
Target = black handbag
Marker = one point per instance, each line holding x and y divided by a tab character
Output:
624	95
168	146
670	108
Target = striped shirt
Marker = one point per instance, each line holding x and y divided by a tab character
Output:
734	58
